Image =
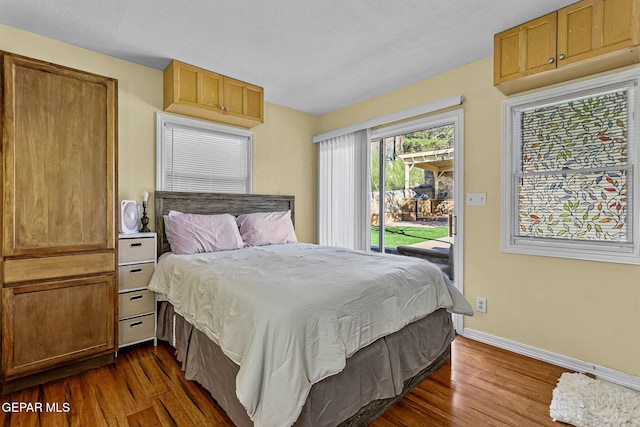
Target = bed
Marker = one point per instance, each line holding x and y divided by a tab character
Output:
273	349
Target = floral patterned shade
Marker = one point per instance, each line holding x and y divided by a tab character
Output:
574	175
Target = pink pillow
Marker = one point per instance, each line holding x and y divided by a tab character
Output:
266	228
204	233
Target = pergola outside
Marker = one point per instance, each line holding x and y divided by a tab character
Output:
437	161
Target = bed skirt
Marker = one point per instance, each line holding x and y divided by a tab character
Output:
374	378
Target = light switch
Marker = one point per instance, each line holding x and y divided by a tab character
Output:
476	199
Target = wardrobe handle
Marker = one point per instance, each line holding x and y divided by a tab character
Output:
562	56
134	324
135	297
133	245
135	270
551	60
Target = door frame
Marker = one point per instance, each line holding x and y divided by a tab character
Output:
458	211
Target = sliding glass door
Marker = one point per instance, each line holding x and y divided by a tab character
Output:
412	190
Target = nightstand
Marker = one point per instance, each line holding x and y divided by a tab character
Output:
137	309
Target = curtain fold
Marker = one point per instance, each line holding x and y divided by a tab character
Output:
344	191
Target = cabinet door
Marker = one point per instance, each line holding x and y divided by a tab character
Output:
255	103
527	49
195	86
595	27
46	324
243	100
59	159
209	90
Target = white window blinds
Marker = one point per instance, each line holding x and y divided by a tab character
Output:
204	157
570	171
574	169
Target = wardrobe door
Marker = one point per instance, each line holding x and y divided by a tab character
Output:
59	283
59	179
53	323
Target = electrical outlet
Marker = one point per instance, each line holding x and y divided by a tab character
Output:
481	305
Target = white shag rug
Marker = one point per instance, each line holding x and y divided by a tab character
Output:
586	402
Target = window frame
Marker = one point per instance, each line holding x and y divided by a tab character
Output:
163	119
588	250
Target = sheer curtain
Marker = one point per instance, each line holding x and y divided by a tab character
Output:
344	190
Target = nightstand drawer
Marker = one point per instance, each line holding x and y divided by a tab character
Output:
134	250
137	329
135	276
136	302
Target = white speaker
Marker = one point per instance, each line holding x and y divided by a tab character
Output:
129	216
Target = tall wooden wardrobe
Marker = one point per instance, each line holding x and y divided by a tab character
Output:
58	233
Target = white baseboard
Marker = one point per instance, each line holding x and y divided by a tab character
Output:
601	372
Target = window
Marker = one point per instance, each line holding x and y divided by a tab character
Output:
194	155
570	159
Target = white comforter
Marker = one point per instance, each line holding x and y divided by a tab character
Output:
290	315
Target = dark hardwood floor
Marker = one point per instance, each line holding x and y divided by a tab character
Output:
482	386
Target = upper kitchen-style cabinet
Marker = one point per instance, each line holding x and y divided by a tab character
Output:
581	39
196	92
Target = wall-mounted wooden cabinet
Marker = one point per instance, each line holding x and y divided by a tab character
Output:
195	92
58	263
581	39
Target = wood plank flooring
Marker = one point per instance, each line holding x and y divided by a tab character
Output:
482	386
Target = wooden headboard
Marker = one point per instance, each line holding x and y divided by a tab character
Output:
215	203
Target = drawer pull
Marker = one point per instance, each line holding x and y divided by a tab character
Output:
133	245
134	324
135	297
135	270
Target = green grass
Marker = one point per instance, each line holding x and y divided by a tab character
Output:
404	235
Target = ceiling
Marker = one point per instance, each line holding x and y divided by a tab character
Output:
314	56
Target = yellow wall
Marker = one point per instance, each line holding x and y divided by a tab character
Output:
285	162
586	310
285	159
